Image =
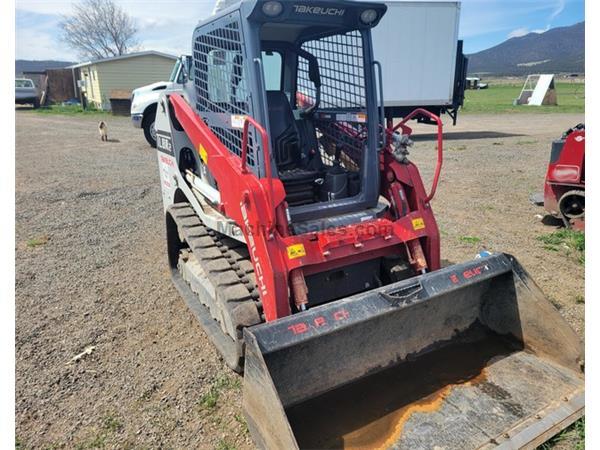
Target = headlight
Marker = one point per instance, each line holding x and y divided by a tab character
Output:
272	8
368	16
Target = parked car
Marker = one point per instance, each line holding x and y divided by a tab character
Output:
26	93
475	83
144	99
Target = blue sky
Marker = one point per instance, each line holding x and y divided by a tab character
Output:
167	25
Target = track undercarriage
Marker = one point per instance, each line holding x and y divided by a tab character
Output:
217	277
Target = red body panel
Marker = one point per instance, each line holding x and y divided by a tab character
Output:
258	207
566	171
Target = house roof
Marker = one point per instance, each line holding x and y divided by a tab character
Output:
116	58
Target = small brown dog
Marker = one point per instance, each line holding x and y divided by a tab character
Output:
103	130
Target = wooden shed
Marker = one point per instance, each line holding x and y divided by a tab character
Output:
121	73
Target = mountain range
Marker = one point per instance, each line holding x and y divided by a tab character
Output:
558	50
23	65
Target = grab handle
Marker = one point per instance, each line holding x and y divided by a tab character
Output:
266	155
404	295
440	152
381	107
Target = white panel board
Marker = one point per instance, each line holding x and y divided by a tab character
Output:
537	97
416	44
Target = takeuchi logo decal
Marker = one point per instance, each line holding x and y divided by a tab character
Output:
258	269
318	10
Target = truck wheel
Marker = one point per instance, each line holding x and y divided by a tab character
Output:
149	127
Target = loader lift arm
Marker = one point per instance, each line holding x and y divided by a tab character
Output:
249	213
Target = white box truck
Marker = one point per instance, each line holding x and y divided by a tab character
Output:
417	44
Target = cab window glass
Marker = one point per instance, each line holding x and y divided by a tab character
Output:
226	77
24	83
272	63
175	71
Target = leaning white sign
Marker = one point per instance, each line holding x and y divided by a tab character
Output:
539	93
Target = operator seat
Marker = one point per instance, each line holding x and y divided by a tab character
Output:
297	172
285	138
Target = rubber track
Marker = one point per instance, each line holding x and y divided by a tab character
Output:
226	263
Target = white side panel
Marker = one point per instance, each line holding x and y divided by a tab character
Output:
416	44
537	97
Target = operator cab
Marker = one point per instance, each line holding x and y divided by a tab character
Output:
306	73
319	83
313	165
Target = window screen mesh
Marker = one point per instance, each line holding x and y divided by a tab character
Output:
221	84
341	68
348	137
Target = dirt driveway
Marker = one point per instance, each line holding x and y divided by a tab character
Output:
92	275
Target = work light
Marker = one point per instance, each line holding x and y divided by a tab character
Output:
368	16
272	8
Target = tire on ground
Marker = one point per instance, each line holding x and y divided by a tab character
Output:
148	124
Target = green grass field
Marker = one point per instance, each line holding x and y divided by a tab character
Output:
499	99
69	110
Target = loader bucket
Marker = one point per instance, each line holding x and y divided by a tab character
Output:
470	356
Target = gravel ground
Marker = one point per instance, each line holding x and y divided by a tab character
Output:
92	274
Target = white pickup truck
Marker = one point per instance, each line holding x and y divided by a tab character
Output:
144	99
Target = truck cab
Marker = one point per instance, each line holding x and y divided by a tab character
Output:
144	99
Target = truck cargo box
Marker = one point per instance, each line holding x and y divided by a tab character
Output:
416	42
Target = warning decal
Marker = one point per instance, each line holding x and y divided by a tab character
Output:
296	251
418	223
203	153
237	121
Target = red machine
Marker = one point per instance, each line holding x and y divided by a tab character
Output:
301	235
564	188
408	223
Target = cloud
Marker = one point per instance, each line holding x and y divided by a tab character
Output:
518	32
556	11
560	6
37	37
168	26
54	7
541	30
482	17
524	31
162	25
32	44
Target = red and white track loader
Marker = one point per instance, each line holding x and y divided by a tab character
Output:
302	237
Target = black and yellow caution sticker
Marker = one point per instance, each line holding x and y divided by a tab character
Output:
296	251
418	223
203	153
